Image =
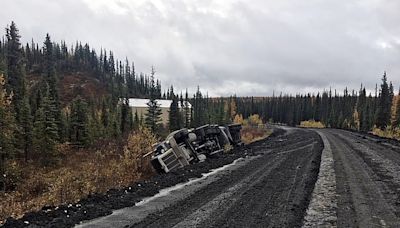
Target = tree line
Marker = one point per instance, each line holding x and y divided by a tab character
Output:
201	110
354	110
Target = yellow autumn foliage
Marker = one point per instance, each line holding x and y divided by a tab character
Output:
238	119
253	128
254	120
312	124
389	132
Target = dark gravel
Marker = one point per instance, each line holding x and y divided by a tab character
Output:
273	190
98	205
367	178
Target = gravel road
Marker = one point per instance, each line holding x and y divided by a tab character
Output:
354	181
367	178
272	190
297	178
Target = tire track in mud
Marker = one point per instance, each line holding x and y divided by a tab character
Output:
232	193
361	196
384	163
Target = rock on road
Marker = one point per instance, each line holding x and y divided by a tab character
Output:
306	178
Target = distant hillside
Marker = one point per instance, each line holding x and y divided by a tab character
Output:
73	85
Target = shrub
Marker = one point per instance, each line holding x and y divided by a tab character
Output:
81	172
312	124
253	120
238	119
389	132
252	134
254	129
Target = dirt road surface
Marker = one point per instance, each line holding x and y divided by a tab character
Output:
357	185
302	178
272	189
367	180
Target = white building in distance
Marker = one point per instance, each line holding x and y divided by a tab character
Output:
140	106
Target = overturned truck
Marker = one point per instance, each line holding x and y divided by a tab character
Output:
184	146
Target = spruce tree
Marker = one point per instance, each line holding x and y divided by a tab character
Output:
79	122
52	81
367	117
174	114
15	65
125	115
362	110
17	84
317	108
45	130
384	105
153	114
199	110
114	125
96	130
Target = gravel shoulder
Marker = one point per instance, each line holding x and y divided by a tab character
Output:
322	209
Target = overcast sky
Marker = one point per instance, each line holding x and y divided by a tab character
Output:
230	46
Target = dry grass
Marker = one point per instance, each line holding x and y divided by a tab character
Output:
387	133
253	134
311	124
253	128
81	173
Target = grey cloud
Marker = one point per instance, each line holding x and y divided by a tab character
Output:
231	46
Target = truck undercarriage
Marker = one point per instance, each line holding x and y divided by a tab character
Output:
184	146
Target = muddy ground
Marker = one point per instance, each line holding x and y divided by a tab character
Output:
368	179
358	186
295	178
98	205
273	190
